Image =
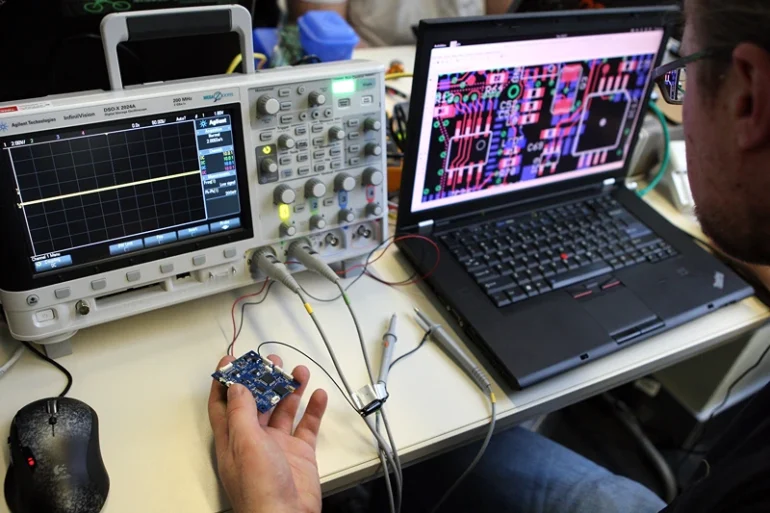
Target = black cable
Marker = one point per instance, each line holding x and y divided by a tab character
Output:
398	127
410	353
259	348
367	263
627	417
243	308
721	405
395	92
332	300
308	59
45	358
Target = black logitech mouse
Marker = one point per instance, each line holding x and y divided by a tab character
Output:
56	464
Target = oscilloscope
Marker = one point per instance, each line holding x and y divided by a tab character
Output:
115	203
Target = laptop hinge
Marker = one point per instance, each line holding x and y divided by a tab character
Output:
425	227
608	184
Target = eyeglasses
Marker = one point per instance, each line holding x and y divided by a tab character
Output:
672	77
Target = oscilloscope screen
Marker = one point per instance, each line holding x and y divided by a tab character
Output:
125	187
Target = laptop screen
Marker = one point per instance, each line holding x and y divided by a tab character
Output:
506	116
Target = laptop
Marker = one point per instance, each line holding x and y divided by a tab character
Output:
522	128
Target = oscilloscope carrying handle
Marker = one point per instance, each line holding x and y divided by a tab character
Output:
145	25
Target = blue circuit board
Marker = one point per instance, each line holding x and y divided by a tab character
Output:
268	383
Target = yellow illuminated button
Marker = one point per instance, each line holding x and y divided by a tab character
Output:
284	212
267	150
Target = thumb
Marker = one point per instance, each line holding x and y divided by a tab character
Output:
242	413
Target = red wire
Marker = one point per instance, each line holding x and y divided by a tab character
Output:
232	311
385	250
391	284
406	282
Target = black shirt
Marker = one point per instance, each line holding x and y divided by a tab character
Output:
737	471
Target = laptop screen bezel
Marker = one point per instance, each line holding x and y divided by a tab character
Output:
508	28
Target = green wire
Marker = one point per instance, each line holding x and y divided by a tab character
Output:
666	151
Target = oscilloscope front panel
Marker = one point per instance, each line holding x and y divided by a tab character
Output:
117	203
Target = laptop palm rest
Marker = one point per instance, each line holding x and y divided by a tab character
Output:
622	314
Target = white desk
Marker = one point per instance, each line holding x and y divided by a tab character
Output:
147	378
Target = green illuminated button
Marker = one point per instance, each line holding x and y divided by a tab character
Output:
344	86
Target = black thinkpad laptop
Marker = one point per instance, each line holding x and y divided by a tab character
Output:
521	132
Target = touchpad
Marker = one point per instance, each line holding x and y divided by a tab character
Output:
622	314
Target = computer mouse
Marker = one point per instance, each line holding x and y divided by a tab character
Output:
56	463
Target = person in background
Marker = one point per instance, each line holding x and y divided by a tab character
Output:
268	467
389	22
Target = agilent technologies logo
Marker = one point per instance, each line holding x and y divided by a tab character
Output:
217	96
3	127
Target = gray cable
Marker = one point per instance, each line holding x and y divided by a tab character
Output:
266	261
399	469
476	460
329	347
12	360
627	418
384	453
303	252
388	485
362	342
359	332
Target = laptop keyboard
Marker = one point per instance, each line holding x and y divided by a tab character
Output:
519	258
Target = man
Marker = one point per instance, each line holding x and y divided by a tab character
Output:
389	22
727	123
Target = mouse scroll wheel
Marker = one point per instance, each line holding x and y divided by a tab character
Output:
52	407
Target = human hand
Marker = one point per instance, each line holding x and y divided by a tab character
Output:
263	466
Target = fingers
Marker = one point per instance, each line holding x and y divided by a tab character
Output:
264	418
218	407
284	413
310	424
242	414
276	360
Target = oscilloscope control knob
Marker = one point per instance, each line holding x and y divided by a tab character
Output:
315	188
347	216
316	98
317	223
288	230
371	124
336	133
269	166
285	142
344	182
372	176
373	150
284	194
267	105
374	209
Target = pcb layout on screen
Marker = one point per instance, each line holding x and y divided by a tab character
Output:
499	128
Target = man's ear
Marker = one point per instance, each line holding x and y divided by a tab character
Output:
750	95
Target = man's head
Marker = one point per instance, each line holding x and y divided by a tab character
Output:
727	122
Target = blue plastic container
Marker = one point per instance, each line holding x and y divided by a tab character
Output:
327	35
265	40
